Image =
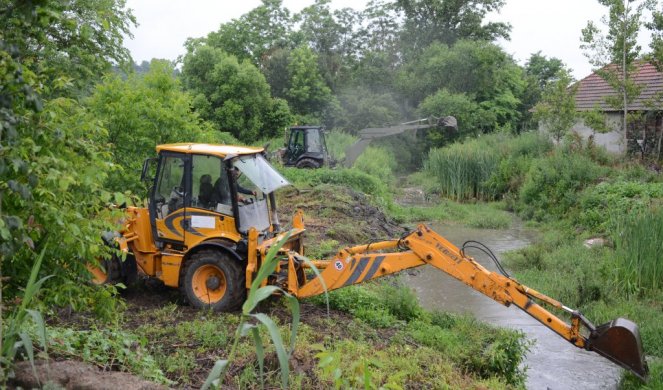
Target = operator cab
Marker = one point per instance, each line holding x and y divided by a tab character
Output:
306	147
212	191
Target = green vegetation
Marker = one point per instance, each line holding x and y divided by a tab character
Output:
479	215
76	124
573	192
156	110
15	336
552	184
476	347
125	350
638	239
348	178
484	168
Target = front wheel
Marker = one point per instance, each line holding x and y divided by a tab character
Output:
308	163
214	280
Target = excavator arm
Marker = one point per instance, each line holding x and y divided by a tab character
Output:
367	135
618	340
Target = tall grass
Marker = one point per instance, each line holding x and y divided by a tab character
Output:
639	243
464	171
337	142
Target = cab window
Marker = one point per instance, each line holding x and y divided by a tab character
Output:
210	186
170	191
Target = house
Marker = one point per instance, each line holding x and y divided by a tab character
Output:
591	93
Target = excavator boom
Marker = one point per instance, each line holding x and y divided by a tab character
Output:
618	340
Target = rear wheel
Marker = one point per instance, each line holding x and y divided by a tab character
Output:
308	163
213	280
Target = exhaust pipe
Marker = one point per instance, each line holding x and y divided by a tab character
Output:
619	341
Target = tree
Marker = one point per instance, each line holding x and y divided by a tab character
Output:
77	40
480	70
232	94
52	169
141	112
471	116
616	53
307	92
539	72
363	108
332	37
255	35
557	109
656	45
275	69
448	21
543	70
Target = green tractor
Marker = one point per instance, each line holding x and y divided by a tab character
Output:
306	146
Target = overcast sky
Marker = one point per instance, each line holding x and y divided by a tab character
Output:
552	27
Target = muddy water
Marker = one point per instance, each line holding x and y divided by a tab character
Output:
552	362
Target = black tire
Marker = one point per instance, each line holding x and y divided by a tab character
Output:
308	163
213	280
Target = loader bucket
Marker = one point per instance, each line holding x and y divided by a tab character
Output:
619	341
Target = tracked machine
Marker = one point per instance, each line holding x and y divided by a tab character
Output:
211	218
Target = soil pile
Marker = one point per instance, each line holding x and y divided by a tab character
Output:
72	374
337	213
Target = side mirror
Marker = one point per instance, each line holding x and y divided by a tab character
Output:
145	173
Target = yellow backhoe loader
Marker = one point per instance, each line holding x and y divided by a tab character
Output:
211	218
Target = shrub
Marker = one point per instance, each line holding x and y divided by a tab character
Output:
363	302
401	302
352	178
337	142
477	346
377	162
552	185
607	202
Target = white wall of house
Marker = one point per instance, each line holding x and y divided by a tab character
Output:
614	141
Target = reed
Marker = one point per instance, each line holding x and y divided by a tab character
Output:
463	170
638	239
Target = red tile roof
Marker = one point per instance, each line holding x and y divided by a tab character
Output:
592	90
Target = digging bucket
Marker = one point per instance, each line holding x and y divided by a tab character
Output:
619	341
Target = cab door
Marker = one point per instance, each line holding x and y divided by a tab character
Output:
295	146
171	195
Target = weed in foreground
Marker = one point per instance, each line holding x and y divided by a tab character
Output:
256	295
15	335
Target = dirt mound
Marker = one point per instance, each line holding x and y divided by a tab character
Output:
76	375
338	213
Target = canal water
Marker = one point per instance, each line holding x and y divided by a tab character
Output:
552	363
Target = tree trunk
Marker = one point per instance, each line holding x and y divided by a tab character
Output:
624	73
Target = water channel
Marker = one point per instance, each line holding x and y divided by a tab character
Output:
552	363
